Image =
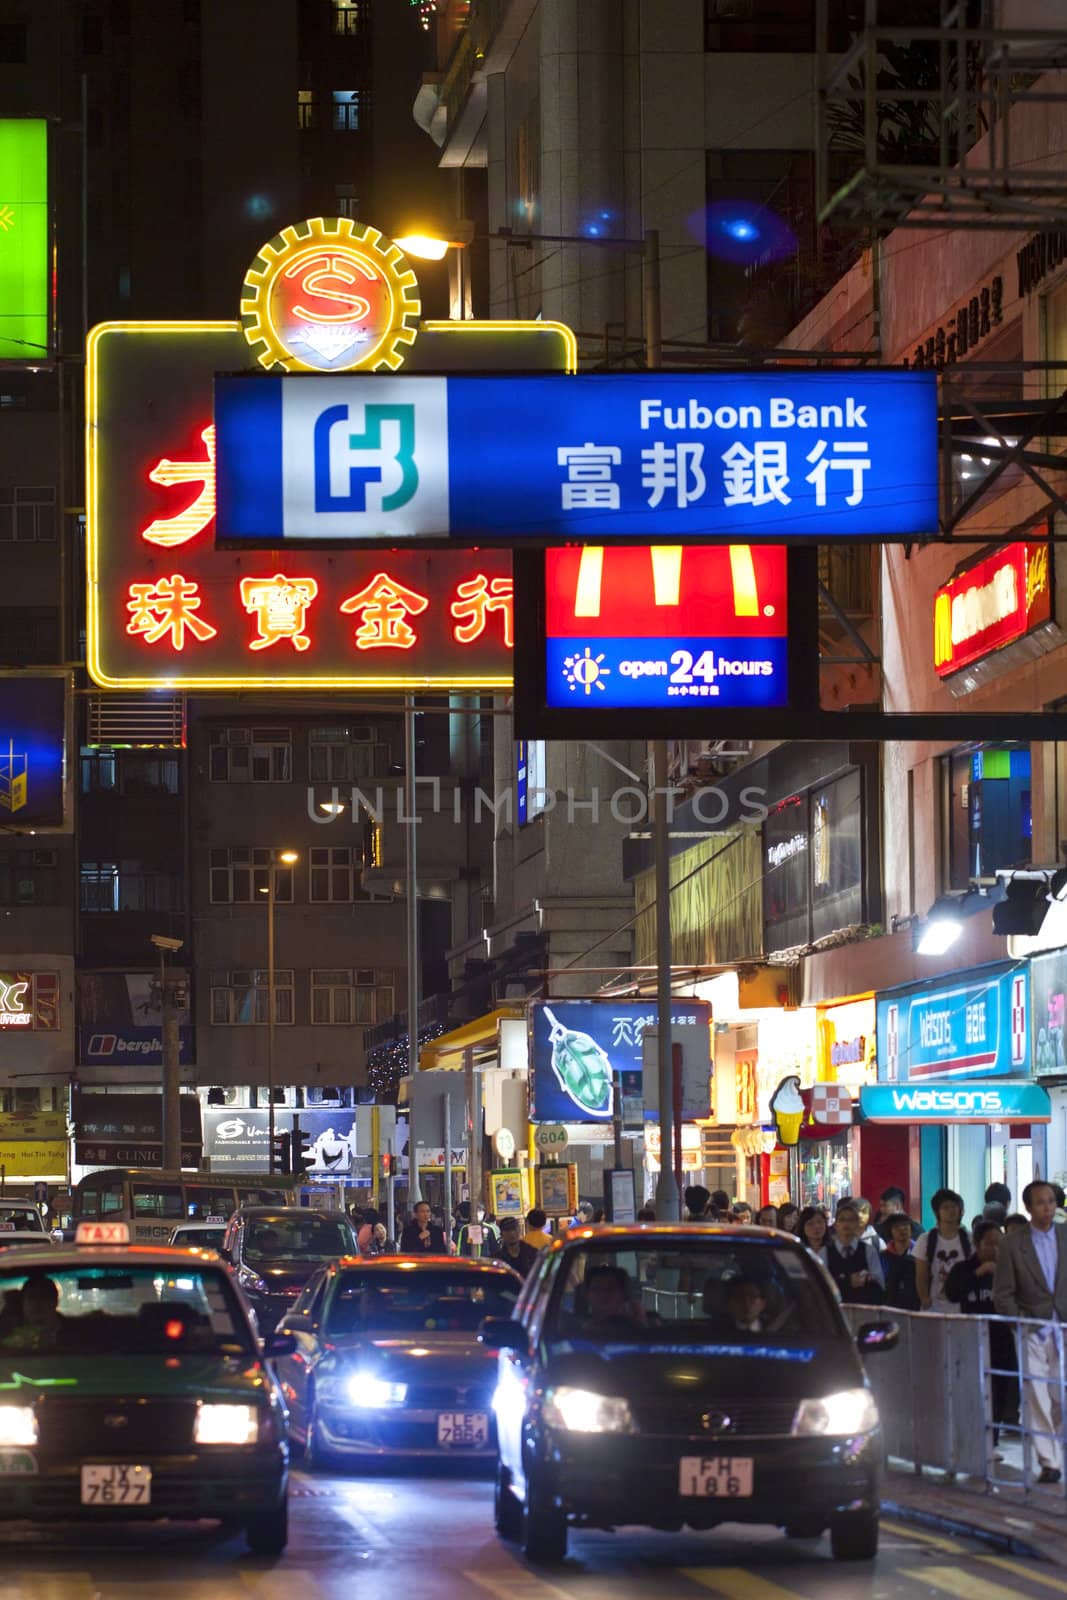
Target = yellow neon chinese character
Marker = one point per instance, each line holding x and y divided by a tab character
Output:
476	598
385	604
194	519
280	607
168	606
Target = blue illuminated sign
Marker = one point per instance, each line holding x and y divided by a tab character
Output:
32	730
602	457
577	1047
972	1025
947	1102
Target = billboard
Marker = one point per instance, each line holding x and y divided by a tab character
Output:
737	457
578	1047
971	1025
658	626
32	740
166	609
239	1140
126	1130
25	254
29	1000
990	604
120	1022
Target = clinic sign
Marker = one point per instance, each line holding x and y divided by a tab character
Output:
978	1102
736	457
976	1025
992	603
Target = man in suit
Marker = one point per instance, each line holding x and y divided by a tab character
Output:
1031	1281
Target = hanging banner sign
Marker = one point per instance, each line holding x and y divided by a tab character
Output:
942	1103
734	457
976	1026
992	603
579	1047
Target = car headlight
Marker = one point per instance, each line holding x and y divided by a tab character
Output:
368	1393
849	1411
18	1425
252	1281
583	1411
226	1424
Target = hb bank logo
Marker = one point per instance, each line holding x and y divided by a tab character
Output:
373	461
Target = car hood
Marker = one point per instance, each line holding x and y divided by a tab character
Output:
282	1275
26	1378
429	1358
761	1368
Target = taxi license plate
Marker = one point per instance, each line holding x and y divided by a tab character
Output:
715	1477
116	1486
468	1429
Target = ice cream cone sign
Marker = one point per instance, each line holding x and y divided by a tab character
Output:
787	1109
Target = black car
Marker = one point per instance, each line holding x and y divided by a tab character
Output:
132	1386
275	1249
674	1376
387	1359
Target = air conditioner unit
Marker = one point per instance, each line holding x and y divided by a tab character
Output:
232	1096
328	1095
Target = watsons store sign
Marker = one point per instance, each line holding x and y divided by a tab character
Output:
977	1102
977	1026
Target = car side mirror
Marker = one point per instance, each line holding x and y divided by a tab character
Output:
503	1333
876	1336
225	1254
295	1322
277	1344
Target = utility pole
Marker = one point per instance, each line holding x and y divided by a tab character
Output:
170	1050
411	901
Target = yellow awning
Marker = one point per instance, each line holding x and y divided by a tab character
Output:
447	1053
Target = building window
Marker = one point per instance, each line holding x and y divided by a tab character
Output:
837	899
251	755
239	999
335	874
759	26
129	885
344	754
345	994
13	39
30	878
29	635
347	202
347	104
531	769
305	108
129	772
986	812
349	17
29	517
240	875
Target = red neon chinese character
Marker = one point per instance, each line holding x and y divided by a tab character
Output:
280	607
194	519
168	606
475	599
384	604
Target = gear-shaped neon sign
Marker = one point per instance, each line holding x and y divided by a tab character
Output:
330	295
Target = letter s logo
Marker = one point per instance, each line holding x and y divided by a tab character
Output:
329	278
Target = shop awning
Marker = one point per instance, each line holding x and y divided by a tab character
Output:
449	1052
941	1103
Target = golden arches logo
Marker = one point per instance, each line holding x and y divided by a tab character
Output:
942	629
330	295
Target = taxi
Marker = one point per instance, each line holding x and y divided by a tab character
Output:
133	1386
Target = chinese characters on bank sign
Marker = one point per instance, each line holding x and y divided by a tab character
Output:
578	1047
974	1027
666	625
742	457
167	609
991	603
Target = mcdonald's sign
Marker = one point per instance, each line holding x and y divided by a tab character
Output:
991	603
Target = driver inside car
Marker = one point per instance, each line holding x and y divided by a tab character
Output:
607	1298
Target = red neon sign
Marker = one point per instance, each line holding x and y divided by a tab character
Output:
992	603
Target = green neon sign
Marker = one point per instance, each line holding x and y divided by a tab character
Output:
25	275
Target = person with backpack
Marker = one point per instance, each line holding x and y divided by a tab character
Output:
898	1264
939	1250
853	1262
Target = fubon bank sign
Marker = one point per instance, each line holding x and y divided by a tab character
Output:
992	603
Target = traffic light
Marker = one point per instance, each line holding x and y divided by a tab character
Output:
281	1154
301	1152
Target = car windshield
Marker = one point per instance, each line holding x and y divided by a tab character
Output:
692	1293
199	1238
402	1301
119	1310
20	1219
296	1238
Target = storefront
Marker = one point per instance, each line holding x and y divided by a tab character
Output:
827	1162
966	1035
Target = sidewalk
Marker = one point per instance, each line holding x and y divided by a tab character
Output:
1033	1526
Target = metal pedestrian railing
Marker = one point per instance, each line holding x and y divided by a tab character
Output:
984	1397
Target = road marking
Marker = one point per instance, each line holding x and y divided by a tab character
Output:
1032	1575
735	1583
936	1541
966	1585
516	1584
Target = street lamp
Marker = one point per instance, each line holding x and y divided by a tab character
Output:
434	246
170	1052
277	858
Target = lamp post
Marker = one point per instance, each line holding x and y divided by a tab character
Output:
278	858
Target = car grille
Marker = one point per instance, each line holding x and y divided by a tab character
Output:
399	1434
77	1428
723	1419
449	1397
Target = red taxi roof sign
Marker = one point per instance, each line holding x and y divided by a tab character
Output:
102	1233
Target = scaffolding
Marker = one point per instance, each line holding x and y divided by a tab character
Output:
929	123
